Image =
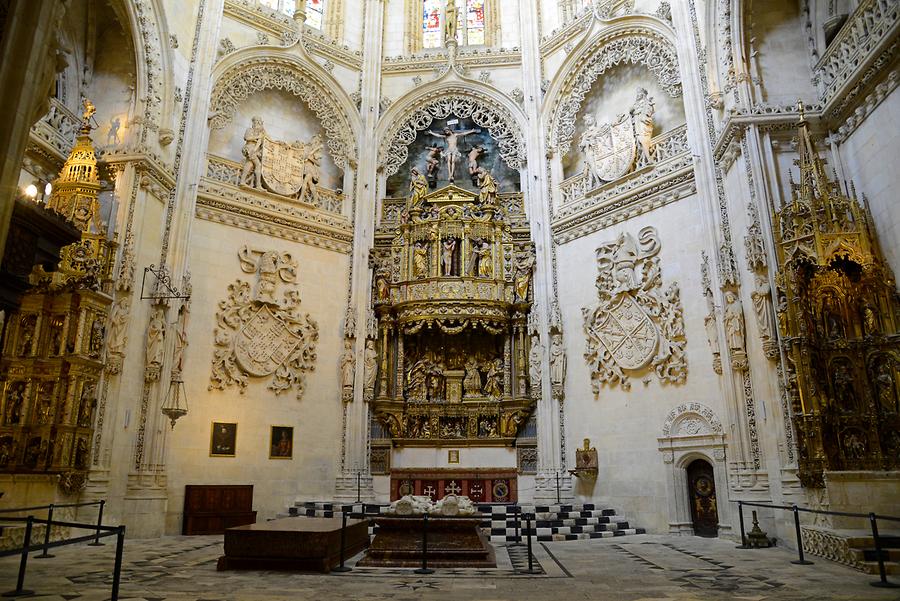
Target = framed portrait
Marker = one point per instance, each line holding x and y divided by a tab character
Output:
223	439
281	442
453	456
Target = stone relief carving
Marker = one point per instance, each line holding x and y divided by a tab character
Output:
610	149
258	335
765	315
268	73
691	419
481	109
632	46
636	324
288	169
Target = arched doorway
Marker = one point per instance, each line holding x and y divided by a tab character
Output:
702	493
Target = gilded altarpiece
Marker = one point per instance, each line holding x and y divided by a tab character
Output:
54	345
839	317
452	292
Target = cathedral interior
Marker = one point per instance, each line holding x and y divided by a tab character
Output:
563	255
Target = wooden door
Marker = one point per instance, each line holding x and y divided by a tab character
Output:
702	493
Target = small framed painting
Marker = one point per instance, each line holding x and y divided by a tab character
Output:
223	440
453	456
281	442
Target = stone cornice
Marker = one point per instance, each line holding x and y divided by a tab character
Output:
257	212
550	43
258	16
617	207
145	163
762	116
496	57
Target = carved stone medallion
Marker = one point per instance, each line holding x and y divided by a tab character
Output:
258	336
613	149
636	324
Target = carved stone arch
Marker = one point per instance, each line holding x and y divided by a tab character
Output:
640	40
693	431
146	23
691	419
401	124
243	75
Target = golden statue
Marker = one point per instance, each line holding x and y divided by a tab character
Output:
420	260
418	187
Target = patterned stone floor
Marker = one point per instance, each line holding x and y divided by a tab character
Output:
639	568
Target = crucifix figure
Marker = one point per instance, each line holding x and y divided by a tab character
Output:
453	154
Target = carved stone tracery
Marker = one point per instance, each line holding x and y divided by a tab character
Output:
255	75
635	46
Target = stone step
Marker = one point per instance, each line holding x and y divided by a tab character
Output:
551	522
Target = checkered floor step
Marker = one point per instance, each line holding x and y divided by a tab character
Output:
503	523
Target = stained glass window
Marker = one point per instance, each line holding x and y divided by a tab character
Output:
470	29
314	10
474	22
431	23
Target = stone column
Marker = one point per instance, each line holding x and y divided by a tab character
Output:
356	426
537	206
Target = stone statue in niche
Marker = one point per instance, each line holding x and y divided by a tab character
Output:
312	151
418	188
535	356
734	321
475	153
642	114
370	365
348	367
452	153
156	336
765	315
487	185
252	151
586	146
181	340
557	365
118	322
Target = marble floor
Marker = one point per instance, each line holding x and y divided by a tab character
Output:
634	568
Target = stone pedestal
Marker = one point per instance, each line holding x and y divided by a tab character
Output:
453	542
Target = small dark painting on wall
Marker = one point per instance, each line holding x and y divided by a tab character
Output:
223	439
281	443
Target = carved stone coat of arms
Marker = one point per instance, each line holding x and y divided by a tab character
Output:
636	325
259	335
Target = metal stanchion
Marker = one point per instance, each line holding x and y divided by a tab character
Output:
801	561
97	542
528	537
883	581
743	544
117	569
20	582
44	554
557	488
358	479
424	569
342	568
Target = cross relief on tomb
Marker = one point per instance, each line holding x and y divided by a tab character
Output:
260	334
636	325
